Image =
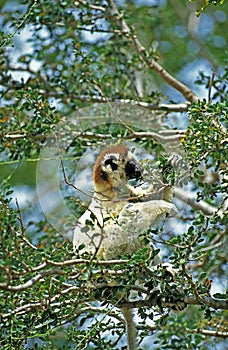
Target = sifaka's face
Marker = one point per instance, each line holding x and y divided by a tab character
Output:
113	168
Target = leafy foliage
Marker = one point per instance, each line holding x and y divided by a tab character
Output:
205	3
77	76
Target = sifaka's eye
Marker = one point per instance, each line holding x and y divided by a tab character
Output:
133	170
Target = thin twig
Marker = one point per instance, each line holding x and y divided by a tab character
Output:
23	228
69	183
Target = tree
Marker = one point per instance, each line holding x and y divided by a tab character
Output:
76	76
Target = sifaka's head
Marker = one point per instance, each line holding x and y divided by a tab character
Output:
113	168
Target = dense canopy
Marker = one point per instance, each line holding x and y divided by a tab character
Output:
76	76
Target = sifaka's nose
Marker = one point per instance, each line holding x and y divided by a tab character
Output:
133	170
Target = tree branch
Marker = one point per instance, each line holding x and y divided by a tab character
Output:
207	332
47	263
206	300
190	300
156	136
29	283
175	135
184	196
169	107
145	57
